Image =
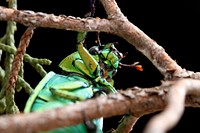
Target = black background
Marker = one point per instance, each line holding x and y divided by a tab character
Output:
174	26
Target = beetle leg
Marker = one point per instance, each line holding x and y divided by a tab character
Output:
103	82
90	126
79	64
66	94
91	64
79	93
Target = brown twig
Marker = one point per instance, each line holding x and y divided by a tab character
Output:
175	108
25	39
13	75
126	124
39	19
118	25
152	99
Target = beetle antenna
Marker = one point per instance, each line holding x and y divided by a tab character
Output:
92	7
134	65
115	43
82	36
98	39
124	55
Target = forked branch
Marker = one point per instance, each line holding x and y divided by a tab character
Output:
118	25
151	99
171	115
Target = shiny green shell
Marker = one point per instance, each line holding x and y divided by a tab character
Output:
87	73
42	98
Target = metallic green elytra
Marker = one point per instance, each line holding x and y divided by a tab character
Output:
86	72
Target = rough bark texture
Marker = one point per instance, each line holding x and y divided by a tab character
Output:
137	102
128	101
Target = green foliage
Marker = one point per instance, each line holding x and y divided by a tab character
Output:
8	48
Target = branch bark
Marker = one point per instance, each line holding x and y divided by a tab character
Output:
175	108
118	25
19	58
129	101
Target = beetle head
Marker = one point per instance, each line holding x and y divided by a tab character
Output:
108	58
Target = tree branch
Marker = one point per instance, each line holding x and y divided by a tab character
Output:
13	75
152	99
175	108
24	42
129	101
117	25
39	19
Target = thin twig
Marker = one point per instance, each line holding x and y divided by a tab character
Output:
118	24
19	58
166	120
126	124
25	39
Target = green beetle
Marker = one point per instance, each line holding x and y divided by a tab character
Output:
86	73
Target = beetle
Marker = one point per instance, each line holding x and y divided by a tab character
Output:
86	72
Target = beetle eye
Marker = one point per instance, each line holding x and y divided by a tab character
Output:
93	50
